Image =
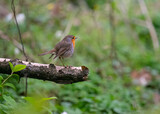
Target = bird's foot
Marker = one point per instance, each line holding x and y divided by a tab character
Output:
67	66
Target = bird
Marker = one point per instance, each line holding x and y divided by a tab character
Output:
63	49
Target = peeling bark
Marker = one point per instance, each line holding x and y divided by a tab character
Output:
50	72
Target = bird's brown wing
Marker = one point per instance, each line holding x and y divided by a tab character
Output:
62	44
61	48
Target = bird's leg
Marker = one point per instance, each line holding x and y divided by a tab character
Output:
61	61
51	56
65	65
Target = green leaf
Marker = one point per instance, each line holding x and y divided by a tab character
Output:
50	98
1	91
28	98
19	68
10	101
31	99
16	76
10	85
11	66
1	78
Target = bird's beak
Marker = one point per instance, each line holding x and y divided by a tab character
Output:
76	37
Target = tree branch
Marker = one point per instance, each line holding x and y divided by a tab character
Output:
50	72
149	24
14	42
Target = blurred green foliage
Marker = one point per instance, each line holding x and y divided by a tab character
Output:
110	88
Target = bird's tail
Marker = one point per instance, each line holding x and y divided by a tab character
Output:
48	52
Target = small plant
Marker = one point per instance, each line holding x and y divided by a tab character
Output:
14	69
8	102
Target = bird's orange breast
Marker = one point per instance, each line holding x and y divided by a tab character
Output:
73	41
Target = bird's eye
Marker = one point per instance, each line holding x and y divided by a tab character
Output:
73	37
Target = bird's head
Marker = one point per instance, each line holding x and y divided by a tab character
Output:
70	38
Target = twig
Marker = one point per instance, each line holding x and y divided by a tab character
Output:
112	31
113	54
50	72
14	42
149	24
19	32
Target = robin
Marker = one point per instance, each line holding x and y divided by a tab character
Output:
63	49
